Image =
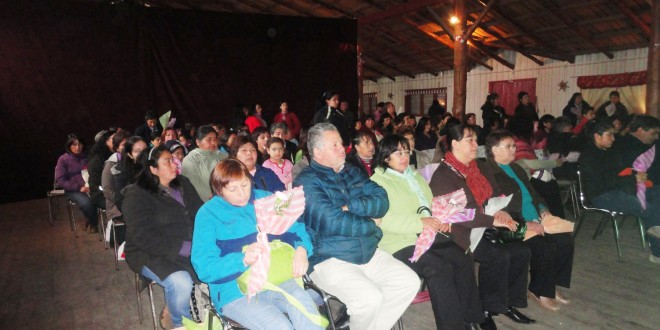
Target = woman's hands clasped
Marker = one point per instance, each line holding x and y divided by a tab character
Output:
435	225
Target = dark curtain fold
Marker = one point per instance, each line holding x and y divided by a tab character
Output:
82	67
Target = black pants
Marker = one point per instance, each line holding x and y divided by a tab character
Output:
502	274
550	193
449	275
551	263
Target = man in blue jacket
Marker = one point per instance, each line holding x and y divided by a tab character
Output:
342	213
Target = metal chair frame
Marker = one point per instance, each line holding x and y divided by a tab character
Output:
142	283
115	244
605	216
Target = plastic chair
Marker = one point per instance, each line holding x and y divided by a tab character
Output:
102	220
142	283
605	216
569	187
115	244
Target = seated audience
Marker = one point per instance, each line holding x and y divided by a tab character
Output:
635	145
503	268
199	163
542	131
150	126
225	246
252	121
551	263
362	153
225	139
328	113
613	107
289	118
561	141
280	130
169	134
68	176
101	151
417	159
302	158
493	114
260	135
179	152
447	269
159	212
276	162
526	108
425	135
586	116
574	108
155	140
245	150
126	170
107	178
342	213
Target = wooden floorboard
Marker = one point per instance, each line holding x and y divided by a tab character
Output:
51	280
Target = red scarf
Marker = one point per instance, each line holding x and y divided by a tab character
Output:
479	186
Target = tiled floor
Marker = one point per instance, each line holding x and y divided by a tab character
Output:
51	280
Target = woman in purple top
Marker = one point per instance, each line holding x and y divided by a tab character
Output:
68	176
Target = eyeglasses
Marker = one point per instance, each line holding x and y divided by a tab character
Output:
402	153
509	146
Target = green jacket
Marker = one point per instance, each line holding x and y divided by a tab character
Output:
401	223
197	167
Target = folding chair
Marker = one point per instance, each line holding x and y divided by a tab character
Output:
605	216
50	194
115	244
142	283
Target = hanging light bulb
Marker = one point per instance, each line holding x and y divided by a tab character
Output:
453	20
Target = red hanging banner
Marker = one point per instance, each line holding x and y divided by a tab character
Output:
612	80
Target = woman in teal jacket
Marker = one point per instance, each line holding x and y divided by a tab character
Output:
223	227
448	271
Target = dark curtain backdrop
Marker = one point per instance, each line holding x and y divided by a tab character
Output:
80	67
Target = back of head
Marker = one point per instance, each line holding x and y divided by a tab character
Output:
598	126
150	115
645	122
560	124
521	127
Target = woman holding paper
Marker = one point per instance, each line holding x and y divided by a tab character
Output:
225	246
552	253
503	267
448	271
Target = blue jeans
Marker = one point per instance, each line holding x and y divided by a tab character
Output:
266	309
85	204
178	287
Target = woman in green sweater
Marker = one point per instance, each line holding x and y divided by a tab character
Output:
448	271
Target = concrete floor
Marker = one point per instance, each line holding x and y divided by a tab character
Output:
51	280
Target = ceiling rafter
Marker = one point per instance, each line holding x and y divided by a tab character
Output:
443	25
389	66
578	29
476	23
410	44
288	5
511	45
444	42
365	66
482	48
636	20
397	10
399	54
333	8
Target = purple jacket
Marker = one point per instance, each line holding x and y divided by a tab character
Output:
67	172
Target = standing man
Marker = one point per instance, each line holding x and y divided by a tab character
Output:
349	117
150	126
613	107
342	215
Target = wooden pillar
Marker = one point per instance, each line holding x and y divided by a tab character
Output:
653	73
460	61
360	80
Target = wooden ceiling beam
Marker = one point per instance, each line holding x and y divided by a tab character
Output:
557	12
333	8
476	23
491	54
442	23
516	27
409	44
512	45
397	10
445	42
581	23
636	20
374	4
389	66
289	6
394	50
378	72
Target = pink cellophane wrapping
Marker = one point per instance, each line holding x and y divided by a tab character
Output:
275	215
642	164
449	208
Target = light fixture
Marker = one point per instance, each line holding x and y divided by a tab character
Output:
453	20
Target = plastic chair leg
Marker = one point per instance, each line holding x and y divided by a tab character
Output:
616	238
137	294
153	307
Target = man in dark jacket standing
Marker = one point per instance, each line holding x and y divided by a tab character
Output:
342	213
150	126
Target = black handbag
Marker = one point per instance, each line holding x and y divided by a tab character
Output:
503	235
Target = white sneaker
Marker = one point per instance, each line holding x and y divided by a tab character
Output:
654	259
654	232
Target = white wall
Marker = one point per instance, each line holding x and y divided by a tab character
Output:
549	98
